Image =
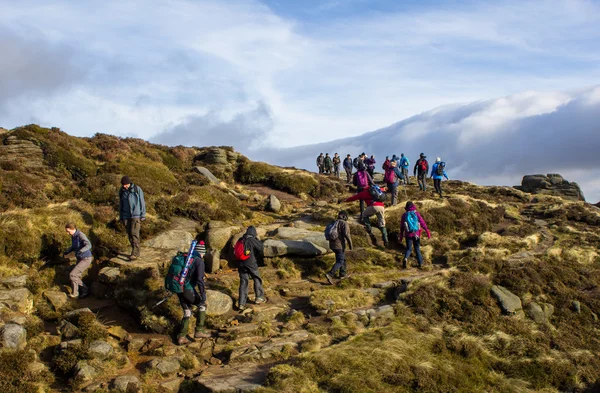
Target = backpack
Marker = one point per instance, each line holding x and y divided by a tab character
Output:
423	166
174	274
439	170
390	176
355	162
377	194
411	222
332	232
239	250
360	179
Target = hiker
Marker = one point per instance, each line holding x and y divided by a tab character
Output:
328	164
391	177
422	167
336	165
362	180
394	157
321	163
187	294
373	197
81	246
338	234
438	172
132	211
404	165
370	162
348	168
386	164
411	227
248	267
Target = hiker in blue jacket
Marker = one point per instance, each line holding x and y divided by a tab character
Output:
438	172
132	211
348	168
404	165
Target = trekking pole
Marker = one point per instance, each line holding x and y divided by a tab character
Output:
162	301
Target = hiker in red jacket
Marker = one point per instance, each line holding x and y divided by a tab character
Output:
411	227
374	208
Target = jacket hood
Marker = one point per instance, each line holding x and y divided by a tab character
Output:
251	231
412	208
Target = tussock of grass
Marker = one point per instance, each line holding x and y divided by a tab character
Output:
16	376
335	299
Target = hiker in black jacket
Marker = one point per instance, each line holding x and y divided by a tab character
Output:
348	168
249	267
338	246
422	169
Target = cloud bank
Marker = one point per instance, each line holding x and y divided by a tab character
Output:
487	142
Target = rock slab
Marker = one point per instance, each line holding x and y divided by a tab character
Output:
508	301
207	174
56	299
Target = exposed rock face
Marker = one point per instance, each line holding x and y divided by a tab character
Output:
508	301
21	152
551	184
273	204
207	174
14	282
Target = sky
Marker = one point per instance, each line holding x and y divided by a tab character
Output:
273	74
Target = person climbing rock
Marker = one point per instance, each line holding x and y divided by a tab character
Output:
404	165
420	171
348	168
328	165
370	163
193	292
411	227
392	178
132	211
338	234
438	172
362	180
321	162
375	207
248	268
81	246
336	165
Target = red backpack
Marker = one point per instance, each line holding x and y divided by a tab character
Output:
423	165
390	176
239	250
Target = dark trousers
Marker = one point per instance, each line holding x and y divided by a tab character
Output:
348	175
133	225
321	169
188	298
422	180
410	241
406	179
393	190
336	170
362	203
245	272
437	183
340	263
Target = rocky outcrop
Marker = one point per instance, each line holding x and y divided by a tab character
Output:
21	153
551	184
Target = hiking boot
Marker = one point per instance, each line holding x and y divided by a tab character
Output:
329	278
183	341
74	292
241	308
260	300
345	277
201	334
404	263
83	292
132	257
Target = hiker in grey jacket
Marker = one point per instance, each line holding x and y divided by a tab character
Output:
132	211
82	248
249	268
338	246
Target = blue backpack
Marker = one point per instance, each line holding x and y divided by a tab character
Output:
377	194
411	223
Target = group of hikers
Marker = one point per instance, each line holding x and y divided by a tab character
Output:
186	274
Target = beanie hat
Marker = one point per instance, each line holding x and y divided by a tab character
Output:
125	180
438	159
200	248
409	204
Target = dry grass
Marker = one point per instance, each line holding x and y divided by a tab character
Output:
337	299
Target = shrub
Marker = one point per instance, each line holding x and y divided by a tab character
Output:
15	376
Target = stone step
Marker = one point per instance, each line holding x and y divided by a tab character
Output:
233	378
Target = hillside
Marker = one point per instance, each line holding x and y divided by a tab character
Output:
508	301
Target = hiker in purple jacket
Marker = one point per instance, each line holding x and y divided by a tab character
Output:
370	162
411	229
362	180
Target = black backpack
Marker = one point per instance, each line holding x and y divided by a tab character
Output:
439	170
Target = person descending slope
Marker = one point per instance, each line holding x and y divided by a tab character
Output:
251	252
404	165
411	227
328	165
336	165
374	197
348	168
132	211
362	180
438	172
320	162
391	178
81	246
338	234
421	170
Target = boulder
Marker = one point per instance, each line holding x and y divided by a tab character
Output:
212	261
109	274
84	372
273	204
20	300
73	316
289	233
576	306
14	282
119	333
299	248
67	330
14	336
57	299
168	365
207	174
100	349
218	235
508	301
551	184
217	303
175	239
126	384
540	313
21	152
